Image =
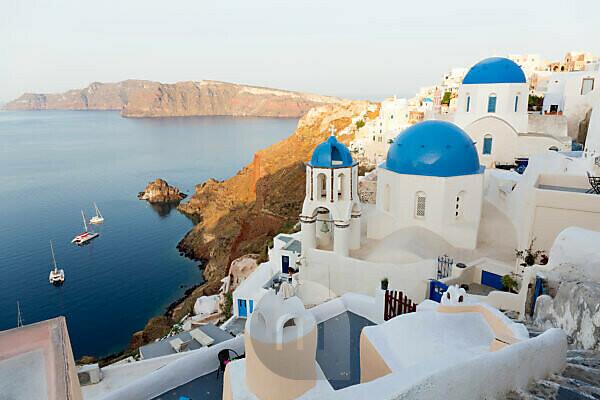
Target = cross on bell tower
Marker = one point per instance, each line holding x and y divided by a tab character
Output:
332	130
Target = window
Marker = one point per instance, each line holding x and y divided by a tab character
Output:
492	103
341	187
516	103
487	144
468	103
587	85
322	186
420	205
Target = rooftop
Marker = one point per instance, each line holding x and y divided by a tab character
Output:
433	148
495	70
338	348
164	347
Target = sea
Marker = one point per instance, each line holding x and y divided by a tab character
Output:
53	164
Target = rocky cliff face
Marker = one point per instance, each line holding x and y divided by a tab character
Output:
160	191
137	98
240	215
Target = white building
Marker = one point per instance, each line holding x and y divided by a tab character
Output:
492	109
431	178
572	94
331	212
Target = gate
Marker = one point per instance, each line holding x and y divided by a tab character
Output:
397	304
436	290
444	268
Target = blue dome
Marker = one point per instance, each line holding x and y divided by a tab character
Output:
495	70
433	148
331	154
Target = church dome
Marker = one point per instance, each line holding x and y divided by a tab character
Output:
433	148
331	154
495	70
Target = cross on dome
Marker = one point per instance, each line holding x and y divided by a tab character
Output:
332	130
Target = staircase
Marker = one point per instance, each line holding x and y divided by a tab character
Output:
580	380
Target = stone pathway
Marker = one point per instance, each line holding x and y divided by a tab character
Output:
580	380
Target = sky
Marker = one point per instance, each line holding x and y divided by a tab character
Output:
356	49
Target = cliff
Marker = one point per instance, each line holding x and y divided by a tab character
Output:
242	214
136	98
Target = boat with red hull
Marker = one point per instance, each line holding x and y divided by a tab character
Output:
86	236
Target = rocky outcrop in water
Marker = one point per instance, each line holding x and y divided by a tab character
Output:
160	191
137	98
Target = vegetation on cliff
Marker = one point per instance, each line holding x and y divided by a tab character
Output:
242	214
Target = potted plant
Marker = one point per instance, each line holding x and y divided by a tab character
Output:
384	283
509	284
530	256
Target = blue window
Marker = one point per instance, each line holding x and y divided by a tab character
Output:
468	103
487	144
242	310
251	303
516	103
492	103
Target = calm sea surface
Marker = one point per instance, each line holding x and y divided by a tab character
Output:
55	163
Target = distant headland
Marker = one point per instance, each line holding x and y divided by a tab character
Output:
139	98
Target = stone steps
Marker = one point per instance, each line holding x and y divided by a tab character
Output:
580	380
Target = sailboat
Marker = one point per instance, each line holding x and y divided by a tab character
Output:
86	236
57	276
19	317
98	218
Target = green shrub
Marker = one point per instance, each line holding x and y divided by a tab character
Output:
228	305
509	283
360	123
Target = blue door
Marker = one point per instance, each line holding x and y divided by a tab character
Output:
436	290
242	311
492	280
285	264
539	289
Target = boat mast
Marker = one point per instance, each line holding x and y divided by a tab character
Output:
84	223
53	258
19	318
97	210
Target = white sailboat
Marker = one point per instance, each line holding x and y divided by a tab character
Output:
57	276
19	317
86	236
98	218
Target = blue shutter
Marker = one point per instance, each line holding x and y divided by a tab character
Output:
242	311
492	104
487	145
468	103
516	103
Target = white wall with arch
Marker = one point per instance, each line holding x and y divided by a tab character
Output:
430	202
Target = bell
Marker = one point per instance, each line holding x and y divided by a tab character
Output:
324	227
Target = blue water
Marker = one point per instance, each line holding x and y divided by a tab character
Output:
55	163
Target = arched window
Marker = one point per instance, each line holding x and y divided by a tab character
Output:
516	103
487	144
420	204
492	103
553	148
386	198
341	187
459	206
321	186
468	103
